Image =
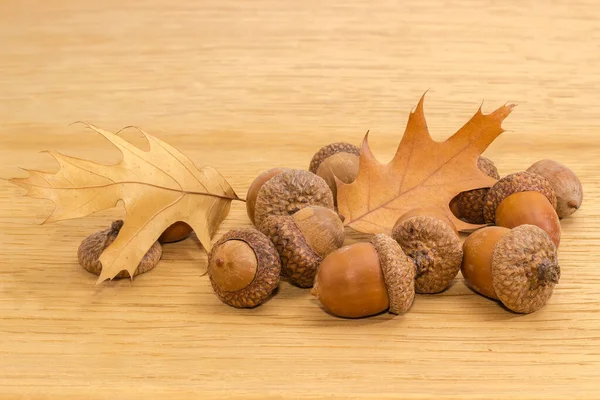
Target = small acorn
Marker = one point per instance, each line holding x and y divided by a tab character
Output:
523	198
517	266
91	249
430	240
336	160
366	279
566	185
255	186
468	205
290	191
175	233
303	240
244	268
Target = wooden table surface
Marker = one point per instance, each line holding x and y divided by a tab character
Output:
244	86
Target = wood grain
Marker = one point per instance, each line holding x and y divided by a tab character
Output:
244	86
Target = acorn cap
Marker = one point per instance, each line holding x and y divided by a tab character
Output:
290	191
91	249
513	183
398	273
299	261
267	273
525	268
488	167
329	150
435	249
469	205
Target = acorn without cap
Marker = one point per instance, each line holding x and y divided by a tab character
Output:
366	279
303	240
468	205
336	160
430	239
523	198
175	233
566	185
91	249
244	268
290	191
517	266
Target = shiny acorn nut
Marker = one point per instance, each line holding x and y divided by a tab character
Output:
255	186
176	232
517	266
244	268
91	249
303	240
430	240
290	191
336	160
566	185
507	205
468	205
366	279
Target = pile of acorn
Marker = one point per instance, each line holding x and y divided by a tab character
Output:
299	235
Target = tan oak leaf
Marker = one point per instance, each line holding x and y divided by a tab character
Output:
423	173
158	187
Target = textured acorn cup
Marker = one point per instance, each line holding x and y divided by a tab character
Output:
523	264
566	185
244	268
468	205
336	160
435	248
514	183
303	240
366	279
531	208
255	187
91	249
176	232
290	191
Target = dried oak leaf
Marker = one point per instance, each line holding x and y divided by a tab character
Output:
423	173
157	187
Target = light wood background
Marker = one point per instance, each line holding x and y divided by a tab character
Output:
248	85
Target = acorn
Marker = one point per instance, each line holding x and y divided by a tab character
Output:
93	246
468	205
303	240
431	241
336	160
517	266
255	186
288	192
365	279
244	268
566	185
523	198
175	233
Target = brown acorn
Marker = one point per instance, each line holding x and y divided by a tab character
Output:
566	185
366	279
255	186
468	205
91	249
336	160
432	243
290	191
244	268
523	198
175	233
303	240
517	266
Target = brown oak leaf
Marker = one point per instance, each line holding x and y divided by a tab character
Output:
157	187
423	173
